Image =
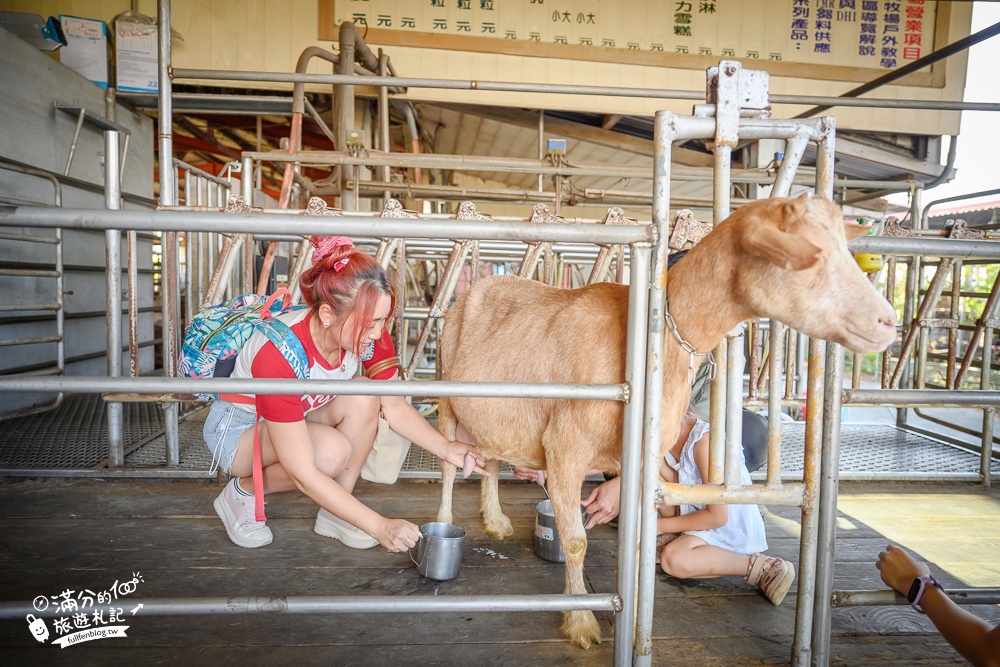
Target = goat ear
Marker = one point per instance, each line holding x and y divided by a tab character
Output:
789	251
854	231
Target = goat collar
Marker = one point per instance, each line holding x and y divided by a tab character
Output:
692	352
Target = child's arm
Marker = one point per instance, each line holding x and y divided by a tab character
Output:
713	516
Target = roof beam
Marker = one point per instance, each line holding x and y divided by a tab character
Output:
579	131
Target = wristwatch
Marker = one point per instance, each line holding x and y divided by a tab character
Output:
917	589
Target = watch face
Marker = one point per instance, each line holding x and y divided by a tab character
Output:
914	589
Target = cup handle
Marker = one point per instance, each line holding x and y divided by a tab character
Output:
409	552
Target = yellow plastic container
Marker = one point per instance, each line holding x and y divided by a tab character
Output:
868	263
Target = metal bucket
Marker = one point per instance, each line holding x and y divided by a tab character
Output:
439	553
546	534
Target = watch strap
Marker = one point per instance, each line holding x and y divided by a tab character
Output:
917	590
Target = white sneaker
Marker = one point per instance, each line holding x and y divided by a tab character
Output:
329	525
239	517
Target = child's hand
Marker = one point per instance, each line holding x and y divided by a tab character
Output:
899	569
398	535
603	502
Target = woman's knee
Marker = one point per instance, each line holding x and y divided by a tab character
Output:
365	408
332	457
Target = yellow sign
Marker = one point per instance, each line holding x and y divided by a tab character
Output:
836	39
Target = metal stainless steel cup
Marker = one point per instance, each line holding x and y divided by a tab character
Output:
547	535
439	552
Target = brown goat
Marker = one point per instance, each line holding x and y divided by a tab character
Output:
780	258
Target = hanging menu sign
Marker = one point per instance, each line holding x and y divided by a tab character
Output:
824	39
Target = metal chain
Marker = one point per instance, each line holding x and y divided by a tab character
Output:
687	347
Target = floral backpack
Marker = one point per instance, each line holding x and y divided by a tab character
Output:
217	334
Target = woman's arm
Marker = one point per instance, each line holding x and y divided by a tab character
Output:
294	450
713	516
405	420
970	635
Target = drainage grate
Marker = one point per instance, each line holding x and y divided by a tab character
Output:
194	454
873	451
74	435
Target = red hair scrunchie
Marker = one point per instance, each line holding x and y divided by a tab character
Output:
325	245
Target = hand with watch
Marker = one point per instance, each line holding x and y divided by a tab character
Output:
977	640
906	575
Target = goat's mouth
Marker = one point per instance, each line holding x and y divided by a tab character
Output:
860	342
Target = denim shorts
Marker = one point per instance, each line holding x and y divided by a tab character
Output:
223	427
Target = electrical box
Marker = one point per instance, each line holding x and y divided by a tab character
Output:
556	147
355	139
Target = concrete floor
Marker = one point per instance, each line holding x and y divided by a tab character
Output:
83	535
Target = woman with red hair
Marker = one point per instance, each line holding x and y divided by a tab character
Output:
317	443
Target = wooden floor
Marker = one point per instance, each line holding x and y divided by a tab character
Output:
81	535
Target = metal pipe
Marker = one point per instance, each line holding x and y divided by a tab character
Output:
133	302
794	150
828	491
562	89
113	276
921	397
802	639
347	604
887	598
635	371
179	385
662	146
76	137
348	225
734	410
712	494
169	274
776	334
200	172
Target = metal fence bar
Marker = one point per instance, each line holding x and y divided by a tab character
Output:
562	89
347	604
177	385
348	225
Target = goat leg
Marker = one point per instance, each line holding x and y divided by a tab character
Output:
497	524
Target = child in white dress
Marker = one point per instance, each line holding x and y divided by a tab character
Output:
715	540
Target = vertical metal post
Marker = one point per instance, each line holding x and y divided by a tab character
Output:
662	144
717	410
385	143
802	640
776	335
168	274
986	453
734	409
113	276
828	490
635	376
247	190
541	146
914	272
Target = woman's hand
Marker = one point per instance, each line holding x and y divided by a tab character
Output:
603	502
462	456
898	569
398	535
530	475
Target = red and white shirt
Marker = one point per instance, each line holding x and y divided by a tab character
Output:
259	358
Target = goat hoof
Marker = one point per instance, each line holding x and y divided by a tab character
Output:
498	527
582	628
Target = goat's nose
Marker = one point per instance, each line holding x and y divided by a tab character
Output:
888	320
